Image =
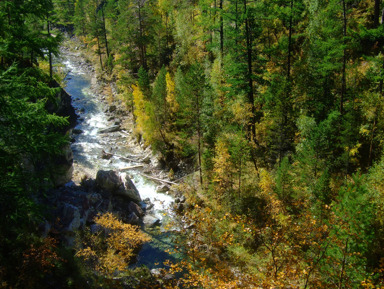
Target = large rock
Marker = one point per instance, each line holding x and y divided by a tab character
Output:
151	221
62	167
72	213
62	106
105	155
112	108
71	221
110	129
133	219
135	208
111	182
130	190
77	131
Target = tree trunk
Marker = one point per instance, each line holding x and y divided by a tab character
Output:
99	51
382	68
199	139
343	83
251	100
376	14
49	53
221	30
105	32
236	21
380	96
141	45
343	264
290	44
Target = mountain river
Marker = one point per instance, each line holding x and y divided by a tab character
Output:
89	144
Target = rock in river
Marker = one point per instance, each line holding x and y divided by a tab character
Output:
111	182
110	129
130	189
77	131
108	181
151	221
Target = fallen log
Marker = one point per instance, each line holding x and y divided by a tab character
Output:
159	180
107	154
123	132
131	167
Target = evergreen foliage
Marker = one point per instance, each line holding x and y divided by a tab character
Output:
275	109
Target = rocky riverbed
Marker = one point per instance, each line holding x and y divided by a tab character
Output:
112	170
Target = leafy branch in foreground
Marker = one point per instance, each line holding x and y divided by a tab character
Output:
111	249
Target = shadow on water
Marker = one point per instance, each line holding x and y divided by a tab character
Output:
84	161
78	89
160	249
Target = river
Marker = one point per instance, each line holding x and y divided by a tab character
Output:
88	145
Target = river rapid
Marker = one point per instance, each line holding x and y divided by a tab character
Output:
88	145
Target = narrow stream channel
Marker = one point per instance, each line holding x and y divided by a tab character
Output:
87	149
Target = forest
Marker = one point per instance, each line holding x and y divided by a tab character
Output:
271	111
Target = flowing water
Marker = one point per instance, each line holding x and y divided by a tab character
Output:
88	146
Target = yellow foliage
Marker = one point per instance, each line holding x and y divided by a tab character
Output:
171	96
267	182
354	150
111	249
203	266
222	167
164	6
242	112
140	111
107	91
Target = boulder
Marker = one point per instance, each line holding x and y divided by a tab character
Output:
133	219
105	155
62	106
94	198
113	128
112	108
70	222
112	183
63	169
130	191
135	208
109	181
151	221
71	215
146	204
77	131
